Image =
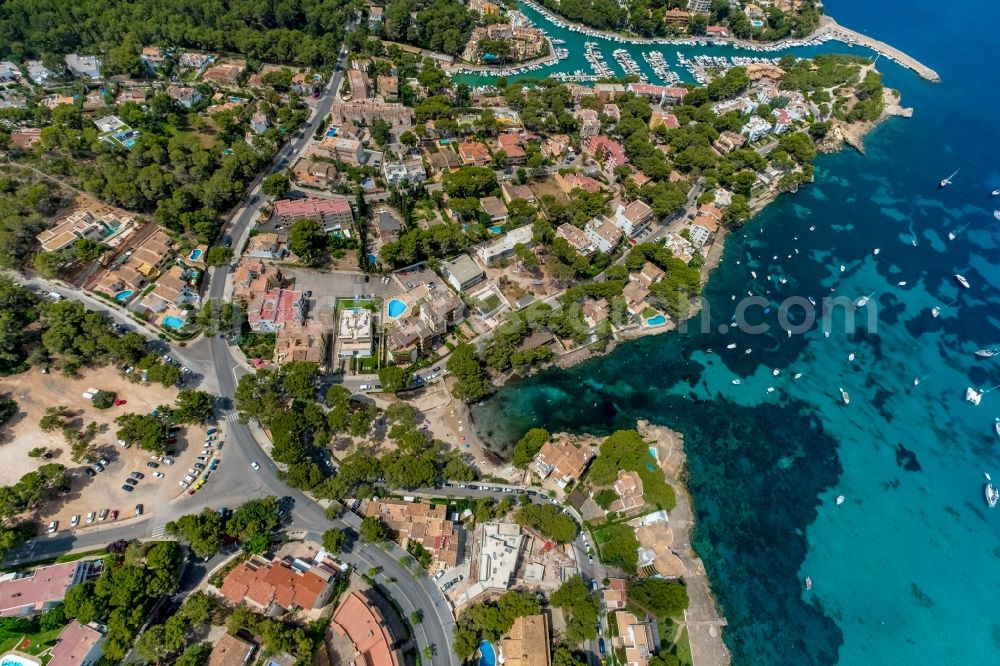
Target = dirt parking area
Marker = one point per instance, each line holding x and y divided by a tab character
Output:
35	392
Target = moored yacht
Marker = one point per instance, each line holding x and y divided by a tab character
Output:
975	396
962	281
991	492
845	396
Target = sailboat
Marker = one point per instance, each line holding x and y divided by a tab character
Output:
845	396
863	301
809	583
996	214
991	492
975	396
947	181
962	281
840	500
935	311
996	426
995	193
989	351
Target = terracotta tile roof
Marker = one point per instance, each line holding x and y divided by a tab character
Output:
361	621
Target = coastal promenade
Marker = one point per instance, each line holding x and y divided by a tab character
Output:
831	29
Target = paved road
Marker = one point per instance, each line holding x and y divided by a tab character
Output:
236	482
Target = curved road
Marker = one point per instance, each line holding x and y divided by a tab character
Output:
236	482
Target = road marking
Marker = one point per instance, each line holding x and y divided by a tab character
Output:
159	529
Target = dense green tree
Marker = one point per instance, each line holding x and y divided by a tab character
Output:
202	531
580	610
308	241
548	520
472	382
193	406
334	539
528	446
395	378
275	185
373	530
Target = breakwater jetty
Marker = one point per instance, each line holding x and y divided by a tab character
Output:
833	30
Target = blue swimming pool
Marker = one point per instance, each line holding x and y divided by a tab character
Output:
496	229
332	131
372	259
396	308
129	143
123	295
195	254
16	660
173	322
658	320
487	655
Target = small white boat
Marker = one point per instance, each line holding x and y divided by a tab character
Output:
797	375
951	235
995	193
753	274
863	301
901	283
876	251
975	396
840	500
851	356
809	583
845	396
991	493
996	214
747	351
776	372
962	281
947	181
996	426
935	311
770	389
826	334
843	268
731	345
916	381
988	352
812	228
736	381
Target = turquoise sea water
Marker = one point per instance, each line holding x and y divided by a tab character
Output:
907	569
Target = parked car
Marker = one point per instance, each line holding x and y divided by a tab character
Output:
600	645
103	461
53	526
127	489
90	517
89	472
158	475
152	464
114	515
255	465
166	461
132	482
74	521
103	514
211	431
183	484
137	475
199	466
138	509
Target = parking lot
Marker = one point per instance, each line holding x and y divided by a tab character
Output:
90	490
325	287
